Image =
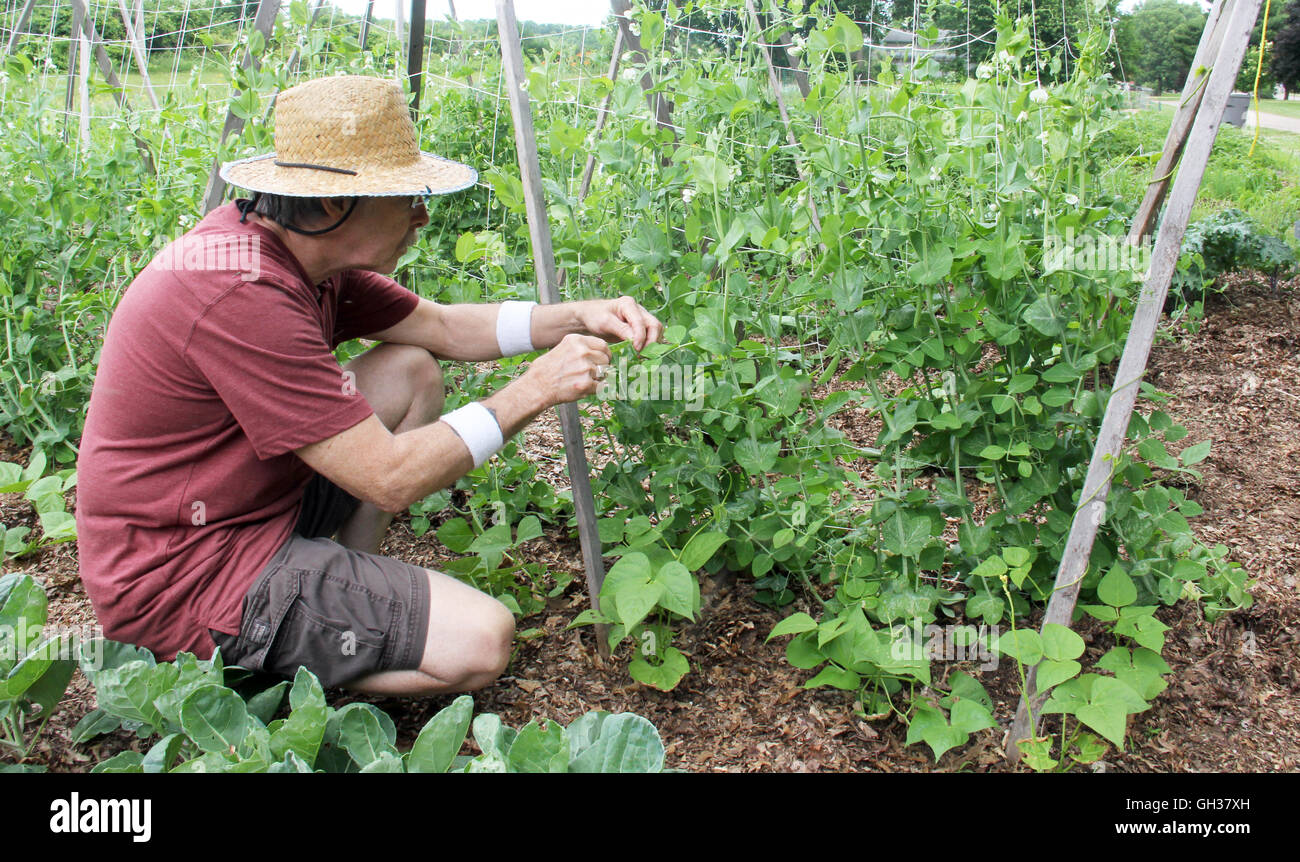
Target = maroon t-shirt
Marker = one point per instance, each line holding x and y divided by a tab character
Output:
217	364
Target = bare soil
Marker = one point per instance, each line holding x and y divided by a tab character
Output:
1232	703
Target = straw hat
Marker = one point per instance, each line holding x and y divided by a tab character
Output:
348	135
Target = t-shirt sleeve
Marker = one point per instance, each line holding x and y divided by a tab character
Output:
262	349
368	303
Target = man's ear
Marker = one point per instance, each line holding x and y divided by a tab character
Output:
335	207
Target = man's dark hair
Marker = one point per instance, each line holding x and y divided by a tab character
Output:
292	212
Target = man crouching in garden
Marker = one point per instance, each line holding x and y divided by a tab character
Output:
225	449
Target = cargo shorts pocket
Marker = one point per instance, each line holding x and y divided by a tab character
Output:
335	627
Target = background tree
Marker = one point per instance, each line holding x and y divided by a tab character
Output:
1157	43
1285	64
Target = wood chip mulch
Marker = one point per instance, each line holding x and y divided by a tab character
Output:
1232	703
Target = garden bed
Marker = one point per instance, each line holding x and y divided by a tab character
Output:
1231	704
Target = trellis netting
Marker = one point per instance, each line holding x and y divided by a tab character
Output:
889	321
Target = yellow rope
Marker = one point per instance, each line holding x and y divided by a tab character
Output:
1259	70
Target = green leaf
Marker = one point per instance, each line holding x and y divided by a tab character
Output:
126	761
529	528
1022	644
95	723
302	732
663	676
441	738
634	601
600	742
970	716
456	535
216	718
793	624
162	756
1116	588
928	724
701	548
993	567
1195	454
265	704
539	748
1046	316
835	676
1052	672
905	535
681	591
1060	643
362	734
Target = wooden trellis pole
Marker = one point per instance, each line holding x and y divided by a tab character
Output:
530	172
136	40
106	68
23	18
415	55
365	23
1193	92
602	116
659	104
1226	62
775	80
267	11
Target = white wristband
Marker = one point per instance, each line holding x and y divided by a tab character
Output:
515	327
477	429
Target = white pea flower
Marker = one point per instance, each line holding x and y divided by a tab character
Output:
983	71
1023	115
687	194
1038	95
1072	200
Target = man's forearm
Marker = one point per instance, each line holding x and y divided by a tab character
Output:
433	457
469	331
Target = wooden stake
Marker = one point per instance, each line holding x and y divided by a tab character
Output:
1137	348
106	68
601	116
775	80
575	453
659	104
136	41
1193	91
415	55
365	23
23	17
267	11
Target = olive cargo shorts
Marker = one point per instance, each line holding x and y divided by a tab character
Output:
340	613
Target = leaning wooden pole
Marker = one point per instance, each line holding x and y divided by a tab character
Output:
23	18
106	69
267	11
659	104
1137	348
530	171
775	80
365	23
136	41
1193	92
415	54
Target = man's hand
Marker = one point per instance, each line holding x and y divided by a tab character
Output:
568	371
622	319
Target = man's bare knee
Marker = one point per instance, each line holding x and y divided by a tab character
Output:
483	652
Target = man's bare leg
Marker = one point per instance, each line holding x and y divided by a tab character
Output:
404	386
468	645
470	634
